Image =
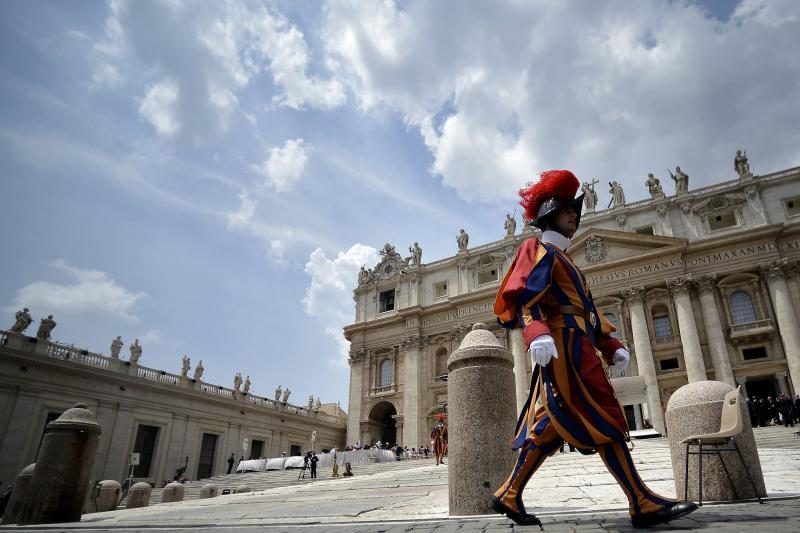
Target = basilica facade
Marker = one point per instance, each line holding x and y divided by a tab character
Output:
701	284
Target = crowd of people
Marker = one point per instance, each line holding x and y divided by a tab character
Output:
768	411
401	452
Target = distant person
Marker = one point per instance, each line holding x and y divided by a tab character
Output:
231	460
313	461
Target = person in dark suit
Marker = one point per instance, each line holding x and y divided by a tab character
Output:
313	461
231	460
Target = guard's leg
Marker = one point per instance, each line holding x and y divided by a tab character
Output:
545	442
619	462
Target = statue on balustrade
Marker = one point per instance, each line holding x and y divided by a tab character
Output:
246	388
510	225
740	163
310	402
185	364
463	240
237	381
46	325
23	320
278	392
654	186
617	194
681	180
198	370
589	195
136	352
116	346
416	254
286	394
317	404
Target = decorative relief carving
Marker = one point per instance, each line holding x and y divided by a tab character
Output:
414	342
595	249
357	355
662	210
680	286
621	220
633	295
777	269
390	266
706	284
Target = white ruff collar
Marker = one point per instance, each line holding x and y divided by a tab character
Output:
555	238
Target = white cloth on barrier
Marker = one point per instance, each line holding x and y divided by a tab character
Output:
356	457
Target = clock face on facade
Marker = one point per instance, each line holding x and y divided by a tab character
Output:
388	269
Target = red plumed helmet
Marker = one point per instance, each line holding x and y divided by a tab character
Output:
441	417
554	190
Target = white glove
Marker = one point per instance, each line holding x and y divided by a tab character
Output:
619	361
542	350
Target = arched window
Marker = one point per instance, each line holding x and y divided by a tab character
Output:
613	319
662	325
386	373
742	310
441	362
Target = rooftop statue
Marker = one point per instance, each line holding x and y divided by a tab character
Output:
23	320
510	225
463	240
116	346
654	186
46	325
136	352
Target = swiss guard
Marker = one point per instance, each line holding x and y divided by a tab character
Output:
439	439
571	398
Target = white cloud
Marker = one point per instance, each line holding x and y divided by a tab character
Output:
243	215
91	293
159	108
277	251
610	90
285	165
329	295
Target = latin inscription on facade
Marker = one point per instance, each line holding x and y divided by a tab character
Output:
449	317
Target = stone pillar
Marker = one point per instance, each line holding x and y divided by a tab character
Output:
714	335
411	389
209	490
637	416
139	495
696	409
780	377
785	315
521	380
107	498
354	406
692	353
173	492
18	502
482	420
60	480
741	382
644	355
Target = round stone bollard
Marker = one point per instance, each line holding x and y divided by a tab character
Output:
481	410
173	492
241	489
108	498
60	481
696	409
19	495
139	495
209	490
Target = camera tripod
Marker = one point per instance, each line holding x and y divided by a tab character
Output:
306	466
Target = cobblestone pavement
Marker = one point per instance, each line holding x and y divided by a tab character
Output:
571	492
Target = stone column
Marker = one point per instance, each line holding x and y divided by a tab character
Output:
644	355
354	407
481	421
716	337
780	377
521	380
692	353
411	389
741	382
785	315
637	416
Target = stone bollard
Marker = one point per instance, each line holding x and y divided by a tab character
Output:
139	495
19	495
481	407
695	409
241	489
60	481
108	497
173	492
209	490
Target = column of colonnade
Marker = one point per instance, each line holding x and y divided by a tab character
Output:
717	346
785	315
681	288
634	297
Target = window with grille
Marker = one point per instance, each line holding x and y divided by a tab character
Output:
386	373
742	310
662	326
613	319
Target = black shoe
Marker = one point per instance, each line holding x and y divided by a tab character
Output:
676	510
522	518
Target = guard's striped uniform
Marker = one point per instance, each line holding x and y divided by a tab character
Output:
545	293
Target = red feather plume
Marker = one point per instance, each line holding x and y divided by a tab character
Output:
441	416
559	184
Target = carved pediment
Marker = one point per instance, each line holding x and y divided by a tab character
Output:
390	266
599	247
719	202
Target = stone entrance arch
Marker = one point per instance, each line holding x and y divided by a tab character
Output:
382	425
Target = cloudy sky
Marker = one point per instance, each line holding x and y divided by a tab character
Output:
209	176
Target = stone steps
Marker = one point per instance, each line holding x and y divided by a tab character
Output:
258	481
777	437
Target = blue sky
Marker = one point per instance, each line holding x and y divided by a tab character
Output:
209	176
